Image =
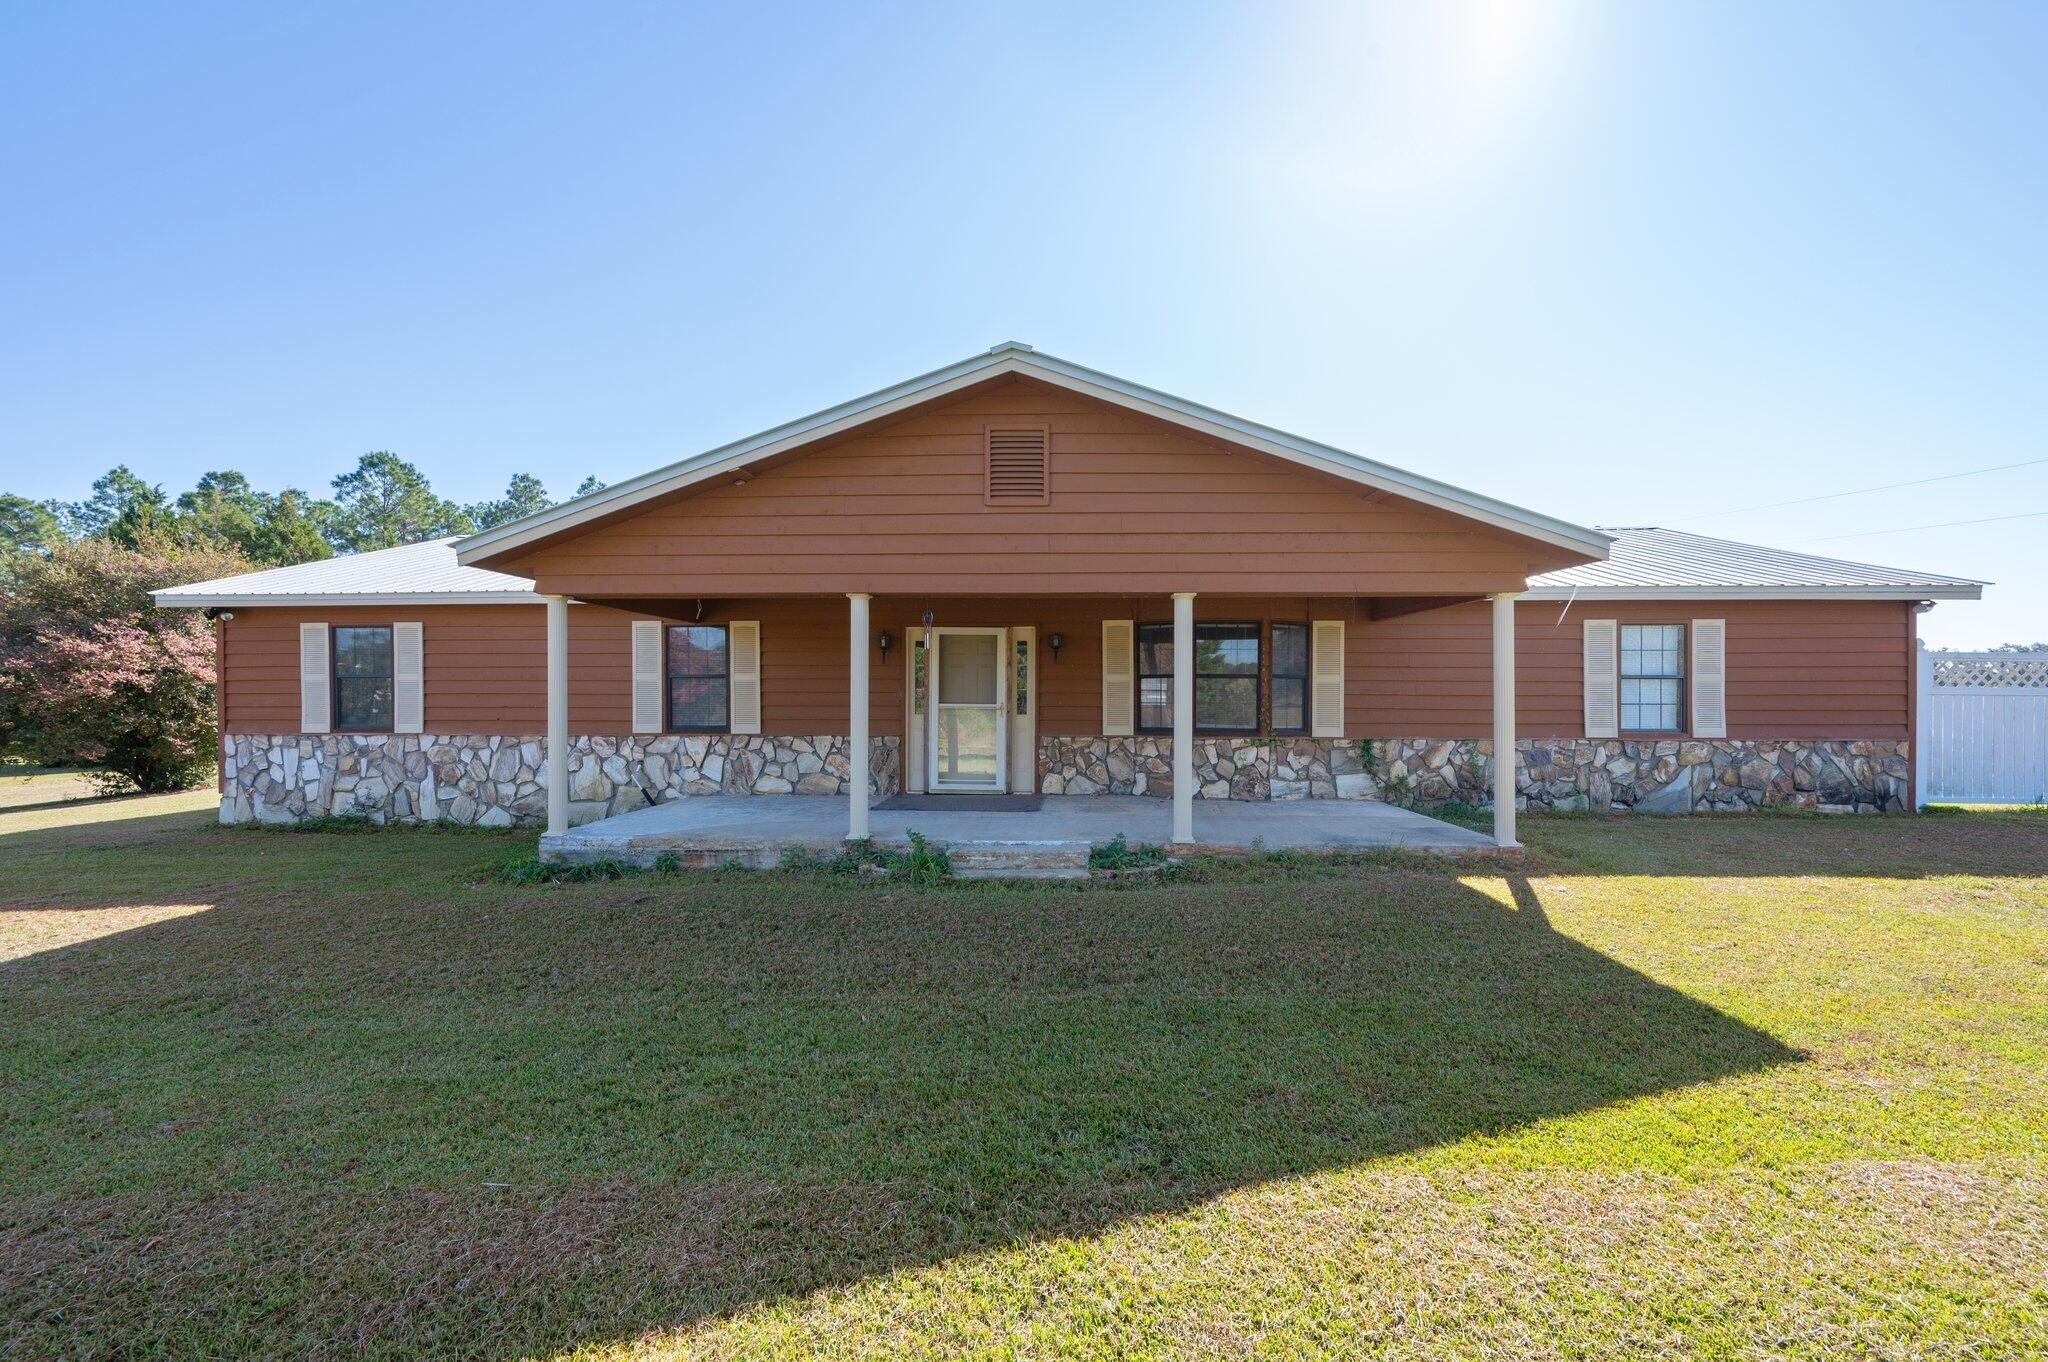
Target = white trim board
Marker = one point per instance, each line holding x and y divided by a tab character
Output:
169	598
1971	592
1015	358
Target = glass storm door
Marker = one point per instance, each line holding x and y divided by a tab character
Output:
967	710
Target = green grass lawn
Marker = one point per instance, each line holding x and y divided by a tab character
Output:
1773	1087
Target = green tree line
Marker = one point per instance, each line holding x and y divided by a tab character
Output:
382	502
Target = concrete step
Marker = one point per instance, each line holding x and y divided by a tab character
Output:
1019	860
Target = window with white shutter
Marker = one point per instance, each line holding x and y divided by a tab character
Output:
647	676
1326	679
1119	649
1710	678
1600	692
316	709
745	642
408	677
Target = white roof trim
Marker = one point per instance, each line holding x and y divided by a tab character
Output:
170	599
1015	358
1946	592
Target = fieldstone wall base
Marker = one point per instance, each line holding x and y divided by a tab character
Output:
1225	768
491	781
1666	776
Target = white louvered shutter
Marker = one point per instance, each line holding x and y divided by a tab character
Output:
1710	678
1600	685
647	697
1326	679
743	639
316	708
408	677
1119	665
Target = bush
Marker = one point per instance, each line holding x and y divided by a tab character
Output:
92	673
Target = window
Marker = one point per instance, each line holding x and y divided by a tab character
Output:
699	678
1653	678
1226	678
362	678
1290	678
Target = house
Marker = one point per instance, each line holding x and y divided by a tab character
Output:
1016	574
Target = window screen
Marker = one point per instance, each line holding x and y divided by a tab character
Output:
1290	678
1226	677
1653	678
699	678
362	678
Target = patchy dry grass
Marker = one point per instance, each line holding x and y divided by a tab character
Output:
1725	1088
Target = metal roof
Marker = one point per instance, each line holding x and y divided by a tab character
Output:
1645	563
412	574
1015	357
1654	562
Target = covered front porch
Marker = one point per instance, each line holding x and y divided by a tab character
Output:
960	708
1000	837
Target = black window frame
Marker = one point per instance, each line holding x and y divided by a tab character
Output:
668	680
1682	676
335	678
1275	676
1257	676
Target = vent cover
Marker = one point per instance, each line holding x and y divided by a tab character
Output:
1016	465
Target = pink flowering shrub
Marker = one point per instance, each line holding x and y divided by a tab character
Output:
91	672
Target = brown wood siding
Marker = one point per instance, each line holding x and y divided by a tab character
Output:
1134	505
1796	669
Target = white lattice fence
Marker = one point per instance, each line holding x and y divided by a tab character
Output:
1983	728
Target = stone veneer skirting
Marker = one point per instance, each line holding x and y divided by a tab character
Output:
493	781
1610	775
1225	768
499	781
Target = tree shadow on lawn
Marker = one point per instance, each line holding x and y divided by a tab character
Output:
449	1121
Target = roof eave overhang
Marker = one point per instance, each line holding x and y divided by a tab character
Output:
1948	592
223	600
1004	360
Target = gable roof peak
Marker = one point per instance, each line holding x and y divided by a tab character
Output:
1015	357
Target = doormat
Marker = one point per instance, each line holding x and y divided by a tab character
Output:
961	803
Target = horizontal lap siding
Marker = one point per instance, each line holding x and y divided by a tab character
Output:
486	667
1134	504
1795	669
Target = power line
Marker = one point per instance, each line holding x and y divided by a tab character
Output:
1944	525
1860	491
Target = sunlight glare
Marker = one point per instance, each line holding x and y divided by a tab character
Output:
1387	101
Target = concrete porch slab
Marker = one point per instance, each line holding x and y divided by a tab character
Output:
712	830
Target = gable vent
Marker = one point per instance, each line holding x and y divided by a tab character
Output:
1016	465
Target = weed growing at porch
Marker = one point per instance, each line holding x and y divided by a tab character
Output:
924	864
1116	854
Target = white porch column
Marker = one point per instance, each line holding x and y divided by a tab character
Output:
1183	716
1505	758
558	713
857	719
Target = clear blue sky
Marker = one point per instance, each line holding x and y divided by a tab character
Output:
1624	263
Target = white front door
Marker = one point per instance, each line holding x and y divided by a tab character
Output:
967	723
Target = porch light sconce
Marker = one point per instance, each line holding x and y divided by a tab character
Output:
1053	641
883	642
